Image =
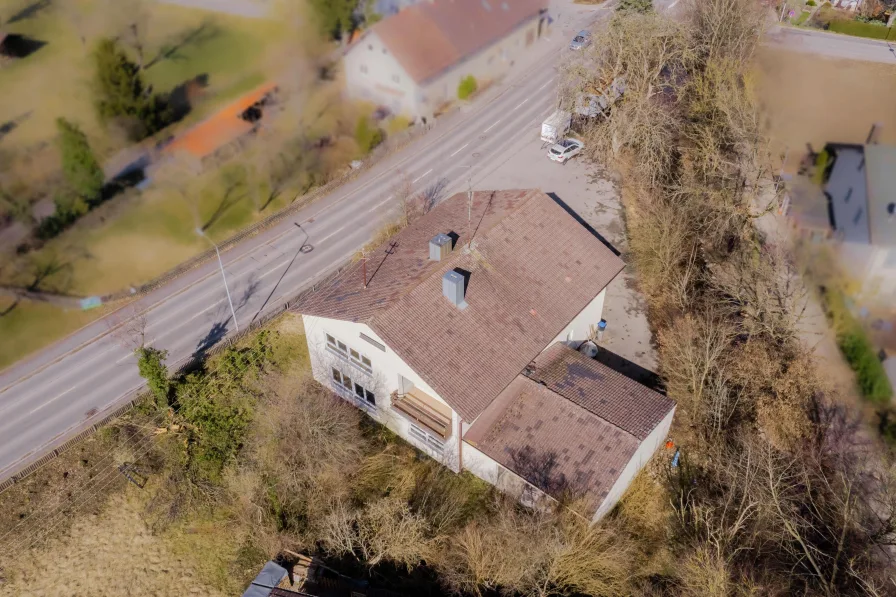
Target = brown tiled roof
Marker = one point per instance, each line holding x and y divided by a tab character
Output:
430	36
551	442
532	268
623	402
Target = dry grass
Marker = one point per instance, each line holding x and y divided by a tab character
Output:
112	553
814	100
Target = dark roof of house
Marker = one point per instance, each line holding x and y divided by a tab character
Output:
570	425
880	164
532	268
623	402
431	36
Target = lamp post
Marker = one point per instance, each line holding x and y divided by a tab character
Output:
201	233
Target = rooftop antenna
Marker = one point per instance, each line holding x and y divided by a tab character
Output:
364	266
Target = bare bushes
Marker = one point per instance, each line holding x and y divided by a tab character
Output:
773	495
647	51
538	553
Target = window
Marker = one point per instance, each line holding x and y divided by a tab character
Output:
337	375
356	357
396	79
342	379
364	68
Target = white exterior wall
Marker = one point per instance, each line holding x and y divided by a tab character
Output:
387	367
579	329
378	84
504	480
644	453
486	65
881	281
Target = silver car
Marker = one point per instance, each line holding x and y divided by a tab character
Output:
581	40
564	150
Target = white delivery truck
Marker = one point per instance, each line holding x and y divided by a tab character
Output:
556	125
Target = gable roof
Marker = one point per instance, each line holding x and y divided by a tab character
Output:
432	35
623	402
572	424
532	268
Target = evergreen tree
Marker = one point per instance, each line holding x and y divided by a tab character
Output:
120	89
634	6
151	363
80	166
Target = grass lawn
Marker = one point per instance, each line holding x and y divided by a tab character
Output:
31	326
802	18
55	80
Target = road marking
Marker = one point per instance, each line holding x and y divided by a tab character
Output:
379	205
492	126
421	176
671	6
546	84
458	150
521	103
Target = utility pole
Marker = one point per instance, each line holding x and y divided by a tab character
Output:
201	233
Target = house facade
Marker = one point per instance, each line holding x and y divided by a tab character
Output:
460	335
861	197
412	62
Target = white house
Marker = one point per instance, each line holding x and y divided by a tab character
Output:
459	334
412	62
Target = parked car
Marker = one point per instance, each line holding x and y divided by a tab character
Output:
565	149
581	40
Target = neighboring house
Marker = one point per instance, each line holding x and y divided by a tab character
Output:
412	62
459	334
861	198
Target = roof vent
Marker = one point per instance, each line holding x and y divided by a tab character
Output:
439	247
454	288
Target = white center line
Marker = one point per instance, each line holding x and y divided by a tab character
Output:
492	126
671	6
546	84
380	204
421	176
458	150
521	103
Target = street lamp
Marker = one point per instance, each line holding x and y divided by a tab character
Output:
201	233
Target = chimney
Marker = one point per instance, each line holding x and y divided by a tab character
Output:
439	247
454	288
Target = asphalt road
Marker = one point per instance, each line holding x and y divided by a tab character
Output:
76	382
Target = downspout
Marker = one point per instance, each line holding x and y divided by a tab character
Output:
460	446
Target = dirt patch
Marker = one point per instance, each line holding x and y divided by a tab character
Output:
815	100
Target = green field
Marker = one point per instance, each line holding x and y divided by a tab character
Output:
181	44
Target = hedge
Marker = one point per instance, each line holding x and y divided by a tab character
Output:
467	87
861	29
859	352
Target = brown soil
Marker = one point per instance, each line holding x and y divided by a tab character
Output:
808	99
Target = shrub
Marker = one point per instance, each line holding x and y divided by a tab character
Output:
859	353
79	164
367	135
467	87
68	209
859	29
811	3
151	364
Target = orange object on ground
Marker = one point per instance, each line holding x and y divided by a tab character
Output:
669	445
221	128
